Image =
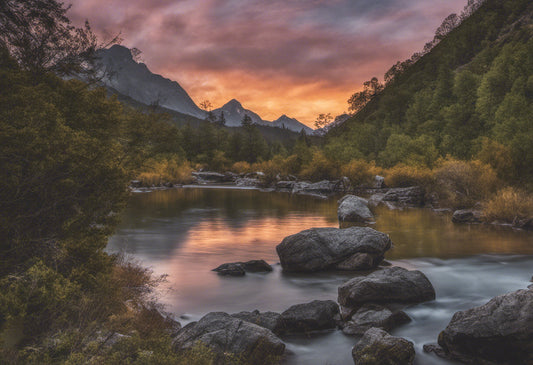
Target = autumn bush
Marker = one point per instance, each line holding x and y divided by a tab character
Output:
360	172
403	176
507	205
461	184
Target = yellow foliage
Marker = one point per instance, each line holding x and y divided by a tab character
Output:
461	184
508	204
360	172
403	176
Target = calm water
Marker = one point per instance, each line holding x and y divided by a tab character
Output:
187	232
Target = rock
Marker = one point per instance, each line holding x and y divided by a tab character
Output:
323	187
246	181
375	199
406	196
466	216
373	315
212	177
315	249
230	269
523	223
354	209
229	336
377	347
285	185
389	285
314	316
269	320
240	268
500	331
379	182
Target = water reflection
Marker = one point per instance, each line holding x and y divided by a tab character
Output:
187	232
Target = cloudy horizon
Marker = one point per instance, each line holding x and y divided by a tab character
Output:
298	58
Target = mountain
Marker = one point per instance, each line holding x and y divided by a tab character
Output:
234	112
124	76
470	96
136	81
292	124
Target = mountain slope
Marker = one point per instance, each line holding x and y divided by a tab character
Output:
136	81
475	86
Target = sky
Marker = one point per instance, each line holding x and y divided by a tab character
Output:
293	57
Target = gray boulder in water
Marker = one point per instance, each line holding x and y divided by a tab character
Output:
314	316
229	336
389	285
315	249
377	347
354	209
499	332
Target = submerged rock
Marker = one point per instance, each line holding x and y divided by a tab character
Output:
466	216
355	248
389	285
377	347
373	315
354	209
314	316
413	196
229	336
240	268
500	332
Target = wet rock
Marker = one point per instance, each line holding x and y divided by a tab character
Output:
379	182
240	268
354	209
373	315
285	185
500	331
323	187
466	216
314	316
226	335
413	196
230	269
375	199
212	177
389	285
269	320
247	182
315	249
377	347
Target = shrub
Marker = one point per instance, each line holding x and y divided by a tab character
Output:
360	172
461	184
403	176
507	205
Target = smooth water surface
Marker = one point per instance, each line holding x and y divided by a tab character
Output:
187	232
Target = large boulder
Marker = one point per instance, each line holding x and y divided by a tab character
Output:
373	315
377	347
227	336
389	285
413	196
354	209
500	331
314	316
315	249
270	320
466	216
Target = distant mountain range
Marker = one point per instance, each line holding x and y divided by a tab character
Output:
134	80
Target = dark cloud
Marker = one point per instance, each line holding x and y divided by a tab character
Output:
267	52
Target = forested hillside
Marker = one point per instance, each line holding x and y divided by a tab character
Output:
470	97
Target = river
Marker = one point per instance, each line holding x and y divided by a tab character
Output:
187	232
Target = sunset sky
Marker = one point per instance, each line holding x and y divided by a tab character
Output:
299	57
